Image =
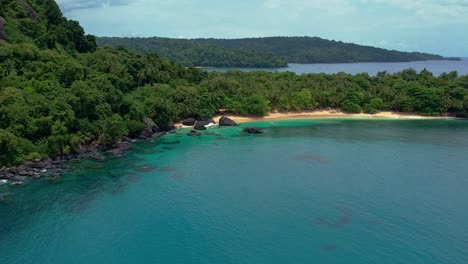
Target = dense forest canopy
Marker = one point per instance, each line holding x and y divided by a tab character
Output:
59	92
263	52
193	53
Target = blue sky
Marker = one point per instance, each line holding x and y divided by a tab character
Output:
436	26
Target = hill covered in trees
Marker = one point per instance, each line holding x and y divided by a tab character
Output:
263	52
194	53
60	92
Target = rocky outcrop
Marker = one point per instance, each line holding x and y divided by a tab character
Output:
201	125
225	121
37	168
145	133
31	13
151	131
96	156
2	29
194	133
189	121
169	127
118	149
151	124
206	120
253	130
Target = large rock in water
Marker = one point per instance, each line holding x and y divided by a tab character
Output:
189	122
208	121
225	121
253	130
194	133
201	125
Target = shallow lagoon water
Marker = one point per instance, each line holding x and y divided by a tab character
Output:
305	191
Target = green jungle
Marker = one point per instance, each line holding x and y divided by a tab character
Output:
59	90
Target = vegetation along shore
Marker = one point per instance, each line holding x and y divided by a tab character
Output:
62	96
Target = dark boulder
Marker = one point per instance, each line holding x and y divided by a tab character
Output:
189	122
225	121
151	124
167	127
253	130
118	149
207	120
201	125
146	133
194	133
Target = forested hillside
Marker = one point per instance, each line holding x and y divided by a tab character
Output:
192	53
59	92
317	50
262	52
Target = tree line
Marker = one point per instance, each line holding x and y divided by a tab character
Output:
58	97
263	52
191	53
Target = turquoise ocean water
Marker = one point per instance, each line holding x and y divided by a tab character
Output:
305	191
372	68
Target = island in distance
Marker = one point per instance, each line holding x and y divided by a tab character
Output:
270	52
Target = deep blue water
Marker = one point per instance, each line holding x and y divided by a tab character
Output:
436	67
323	191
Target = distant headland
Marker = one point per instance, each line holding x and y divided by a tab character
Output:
270	52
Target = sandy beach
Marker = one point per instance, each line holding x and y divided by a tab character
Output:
325	114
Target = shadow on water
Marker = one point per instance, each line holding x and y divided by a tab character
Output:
328	248
344	219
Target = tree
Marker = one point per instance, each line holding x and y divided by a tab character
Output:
302	100
254	105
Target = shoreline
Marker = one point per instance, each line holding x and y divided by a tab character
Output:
323	114
55	167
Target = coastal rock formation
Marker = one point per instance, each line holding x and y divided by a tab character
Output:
151	124
209	121
253	130
189	122
37	168
145	133
96	156
225	121
194	133
2	29
201	125
169	127
118	149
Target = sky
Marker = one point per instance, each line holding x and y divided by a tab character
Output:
434	26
